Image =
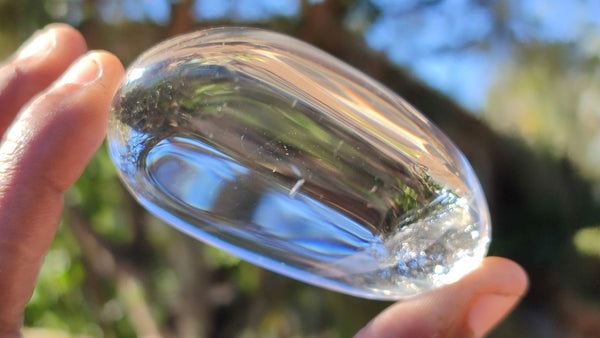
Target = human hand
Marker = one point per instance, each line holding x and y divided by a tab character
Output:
53	115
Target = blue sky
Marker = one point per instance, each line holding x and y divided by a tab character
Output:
453	45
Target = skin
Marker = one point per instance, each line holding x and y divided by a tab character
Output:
54	102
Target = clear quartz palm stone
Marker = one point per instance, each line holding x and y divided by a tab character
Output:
277	152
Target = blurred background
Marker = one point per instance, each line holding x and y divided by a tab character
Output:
515	84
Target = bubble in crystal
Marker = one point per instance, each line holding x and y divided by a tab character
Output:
277	152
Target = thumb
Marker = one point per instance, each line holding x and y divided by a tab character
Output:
470	307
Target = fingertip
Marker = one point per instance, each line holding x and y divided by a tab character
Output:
68	37
93	66
504	284
507	276
111	75
112	67
98	71
57	42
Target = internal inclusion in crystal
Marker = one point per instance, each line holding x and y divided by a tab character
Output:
306	168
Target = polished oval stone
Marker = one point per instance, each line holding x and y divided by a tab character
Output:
276	152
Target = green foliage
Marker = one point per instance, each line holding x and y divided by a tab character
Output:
549	98
587	241
115	271
60	288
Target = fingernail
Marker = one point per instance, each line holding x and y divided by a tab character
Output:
487	311
39	45
86	70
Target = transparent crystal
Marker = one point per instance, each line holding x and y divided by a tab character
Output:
276	152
